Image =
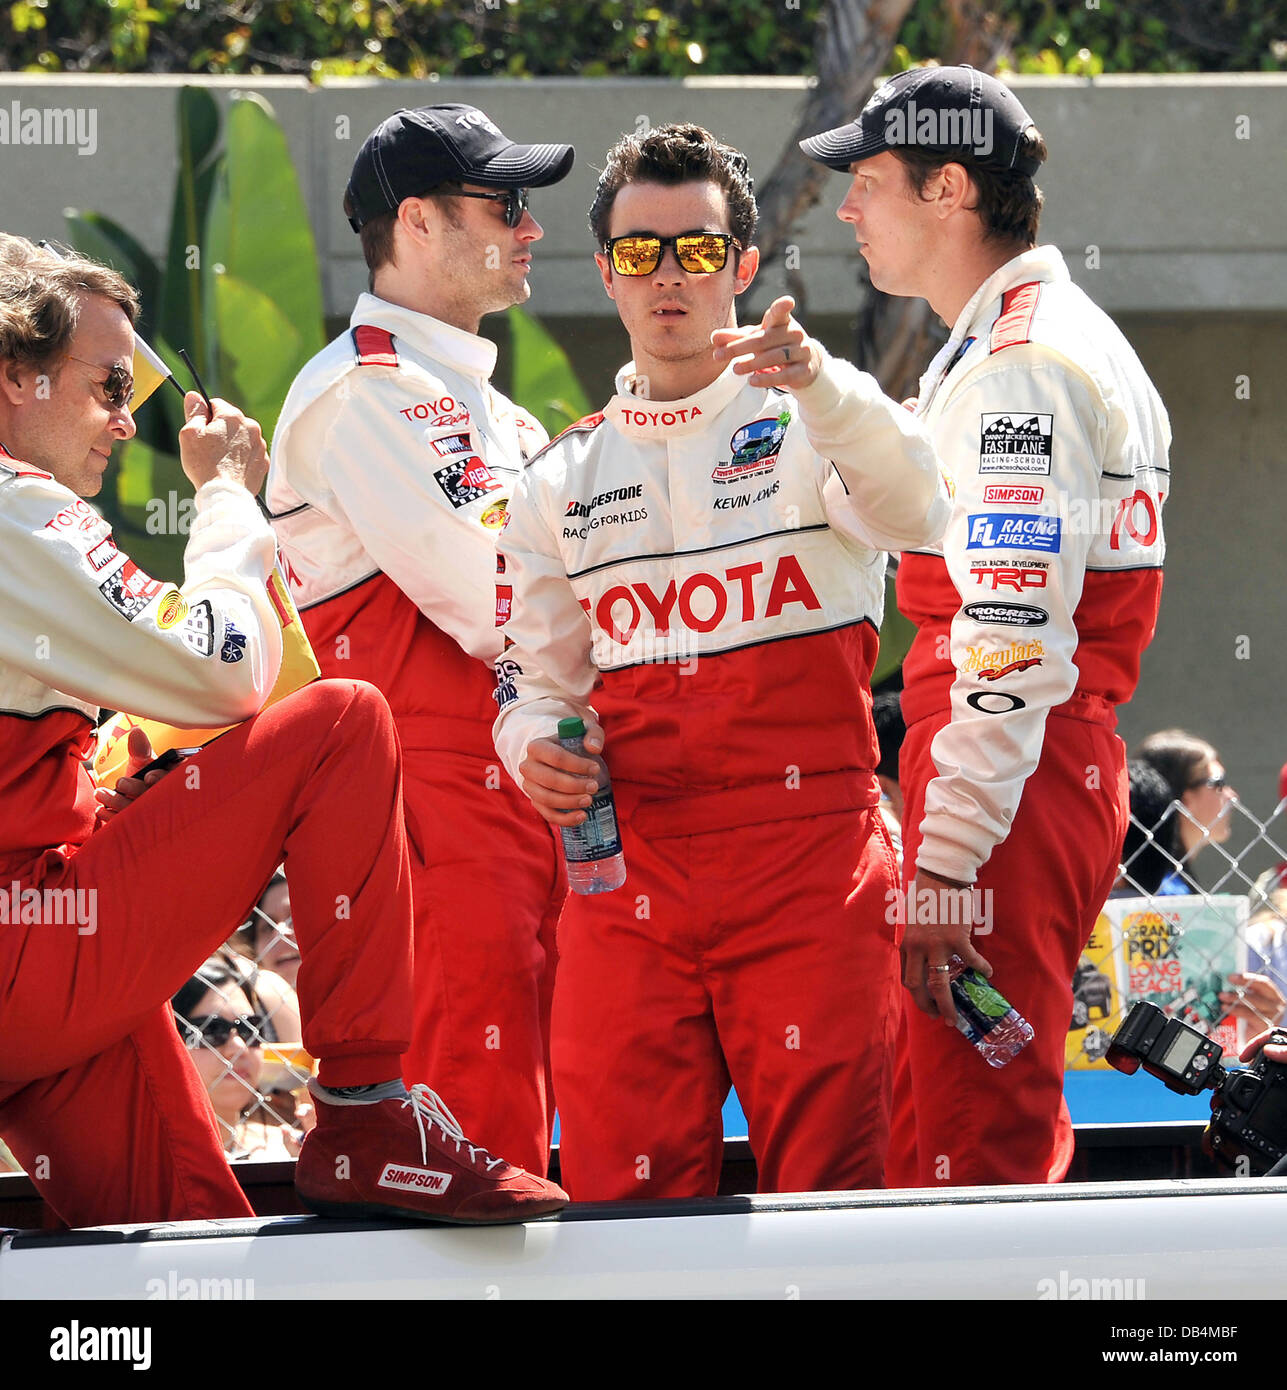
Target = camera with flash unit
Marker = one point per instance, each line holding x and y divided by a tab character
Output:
1248	1108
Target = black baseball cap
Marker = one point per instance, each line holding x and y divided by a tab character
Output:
413	151
946	110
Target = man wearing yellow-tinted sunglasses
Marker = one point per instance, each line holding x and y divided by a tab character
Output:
698	572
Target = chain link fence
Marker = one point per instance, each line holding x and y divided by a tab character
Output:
1212	953
239	1018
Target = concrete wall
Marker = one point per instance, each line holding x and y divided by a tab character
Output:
1151	170
1188	218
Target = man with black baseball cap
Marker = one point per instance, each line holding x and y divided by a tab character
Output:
937	108
392	466
1032	613
412	151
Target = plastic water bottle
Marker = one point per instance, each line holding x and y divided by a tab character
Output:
593	848
997	1029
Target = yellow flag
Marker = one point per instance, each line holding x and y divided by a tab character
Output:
149	372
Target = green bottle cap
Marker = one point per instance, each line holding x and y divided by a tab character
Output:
571	728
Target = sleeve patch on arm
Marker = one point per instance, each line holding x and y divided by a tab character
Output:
1015	442
129	590
1028	574
1007	661
465	480
81	524
506	691
495	517
198	629
234	643
1014	531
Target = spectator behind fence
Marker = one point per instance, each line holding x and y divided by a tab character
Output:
1151	849
1197	780
266	943
221	1021
1276	877
267	937
1267	942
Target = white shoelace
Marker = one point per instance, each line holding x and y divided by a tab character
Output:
428	1105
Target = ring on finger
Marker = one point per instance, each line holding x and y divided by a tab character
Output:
939	969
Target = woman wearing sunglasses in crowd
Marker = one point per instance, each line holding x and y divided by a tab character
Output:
220	1018
1198	784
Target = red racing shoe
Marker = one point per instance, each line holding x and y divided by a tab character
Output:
408	1157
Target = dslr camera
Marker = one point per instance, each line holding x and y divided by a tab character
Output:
1248	1108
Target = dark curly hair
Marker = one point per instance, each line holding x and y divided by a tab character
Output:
673	154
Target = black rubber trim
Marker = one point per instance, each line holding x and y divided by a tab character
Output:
339	593
576	427
1141	1134
53	709
272	1226
744	646
703	550
293	511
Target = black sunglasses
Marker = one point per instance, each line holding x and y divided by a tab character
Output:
214	1030
699	253
1216	784
118	384
515	200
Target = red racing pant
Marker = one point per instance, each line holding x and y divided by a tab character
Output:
763	955
98	1100
488	884
957	1121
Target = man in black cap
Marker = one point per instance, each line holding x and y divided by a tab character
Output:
392	465
1032	614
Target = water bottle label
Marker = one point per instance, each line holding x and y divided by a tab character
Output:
979	1007
597	837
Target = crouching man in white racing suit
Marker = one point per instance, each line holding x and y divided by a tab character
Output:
698	572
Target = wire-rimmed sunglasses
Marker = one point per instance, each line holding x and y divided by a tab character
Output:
118	384
699	253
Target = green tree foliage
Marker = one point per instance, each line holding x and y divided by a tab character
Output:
636	38
239	289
